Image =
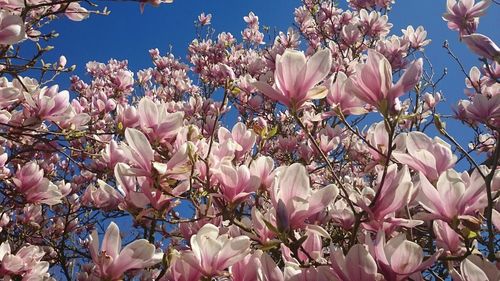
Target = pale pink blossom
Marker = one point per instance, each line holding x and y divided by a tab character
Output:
12	28
416	37
296	78
455	195
75	12
463	15
430	156
180	270
482	46
295	200
204	19
48	103
26	263
103	197
447	238
358	265
399	258
263	167
483	109
372	82
236	183
394	195
30	182
340	99
112	261
243	139
263	268
156	122
475	268
212	253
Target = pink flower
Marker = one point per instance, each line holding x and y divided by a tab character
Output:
484	110
294	199
139	152
372	82
211	253
9	96
394	195
48	103
112	262
12	28
399	258
243	139
475	268
180	270
104	197
358	265
295	78
157	123
482	46
204	19
75	12
263	268
447	238
463	15
127	187
341	100
30	182
26	262
416	37
455	195
430	156
262	167
236	183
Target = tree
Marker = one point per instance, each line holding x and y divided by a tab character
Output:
296	189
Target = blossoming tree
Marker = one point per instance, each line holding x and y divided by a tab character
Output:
330	172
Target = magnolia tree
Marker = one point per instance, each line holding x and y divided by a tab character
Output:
337	166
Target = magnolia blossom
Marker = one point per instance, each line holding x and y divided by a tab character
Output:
156	122
463	15
475	268
394	195
257	266
293	198
12	28
482	46
48	103
211	252
112	261
75	12
26	262
296	78
447	238
341	100
372	82
483	109
242	138
236	183
430	156
358	265
455	195
30	182
399	258
104	197
416	37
